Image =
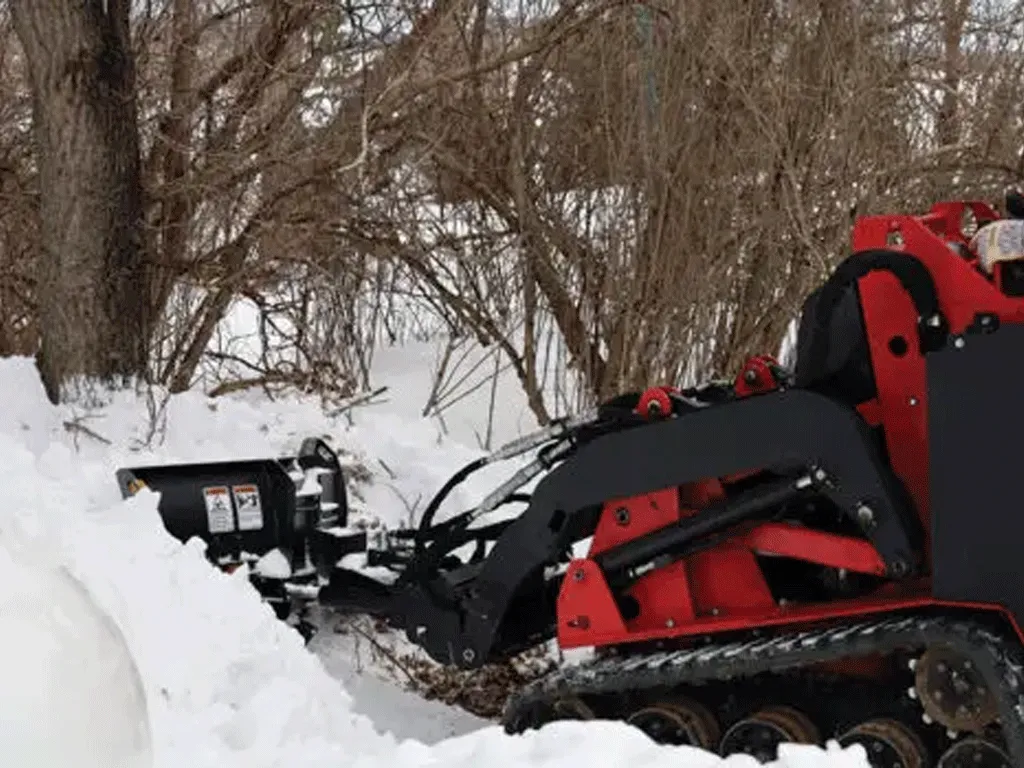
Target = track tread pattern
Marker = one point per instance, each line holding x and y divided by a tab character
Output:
998	656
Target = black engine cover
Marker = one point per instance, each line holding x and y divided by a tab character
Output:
976	426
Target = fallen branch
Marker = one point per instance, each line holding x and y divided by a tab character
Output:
77	426
363	398
390	656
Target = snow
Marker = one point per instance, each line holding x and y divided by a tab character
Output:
192	655
53	633
273	565
348	659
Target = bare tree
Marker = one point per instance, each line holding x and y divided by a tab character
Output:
93	280
607	195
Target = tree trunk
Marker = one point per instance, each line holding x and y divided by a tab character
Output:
94	287
954	20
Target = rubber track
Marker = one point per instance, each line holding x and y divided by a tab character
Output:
999	660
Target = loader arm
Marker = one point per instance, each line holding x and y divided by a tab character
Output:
815	446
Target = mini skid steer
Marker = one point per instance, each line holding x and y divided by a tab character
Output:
828	552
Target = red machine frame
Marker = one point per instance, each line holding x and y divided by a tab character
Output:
688	597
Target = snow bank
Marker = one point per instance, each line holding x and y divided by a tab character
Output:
53	633
225	683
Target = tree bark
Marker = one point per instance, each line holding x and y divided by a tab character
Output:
954	20
95	289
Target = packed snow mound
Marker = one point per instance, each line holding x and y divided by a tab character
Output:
53	633
225	683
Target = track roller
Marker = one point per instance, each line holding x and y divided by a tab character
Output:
680	722
888	743
544	712
571	708
953	692
974	752
760	734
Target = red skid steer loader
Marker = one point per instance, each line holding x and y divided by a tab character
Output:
832	552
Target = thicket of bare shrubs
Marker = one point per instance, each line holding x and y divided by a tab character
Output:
653	186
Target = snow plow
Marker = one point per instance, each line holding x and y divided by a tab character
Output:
284	518
828	552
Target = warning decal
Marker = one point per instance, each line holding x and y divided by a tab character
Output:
250	511
219	516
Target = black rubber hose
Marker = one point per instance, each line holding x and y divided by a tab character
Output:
440	496
453	534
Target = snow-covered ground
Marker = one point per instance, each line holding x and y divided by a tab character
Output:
117	637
